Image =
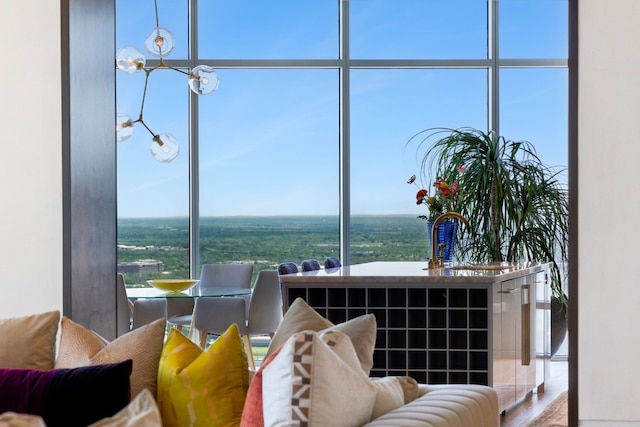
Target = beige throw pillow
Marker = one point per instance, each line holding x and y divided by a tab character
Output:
410	388
389	395
13	419
80	346
301	317
315	379
29	341
141	412
362	331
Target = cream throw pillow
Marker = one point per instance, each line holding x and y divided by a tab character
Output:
29	341
142	411
362	331
410	388
301	317
13	419
80	346
389	395
311	382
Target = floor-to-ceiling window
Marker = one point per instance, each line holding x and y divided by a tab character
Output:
301	152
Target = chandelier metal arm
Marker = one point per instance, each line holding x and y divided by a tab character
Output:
202	80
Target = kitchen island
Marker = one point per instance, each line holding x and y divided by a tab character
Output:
455	325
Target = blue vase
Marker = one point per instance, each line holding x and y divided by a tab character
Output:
446	234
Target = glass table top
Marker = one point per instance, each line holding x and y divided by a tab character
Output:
149	292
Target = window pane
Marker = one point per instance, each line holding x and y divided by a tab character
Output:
387	108
534	28
269	167
418	29
153	197
136	19
534	107
275	29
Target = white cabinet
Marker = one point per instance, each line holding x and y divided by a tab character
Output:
514	353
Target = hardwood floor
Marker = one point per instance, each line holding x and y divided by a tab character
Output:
534	404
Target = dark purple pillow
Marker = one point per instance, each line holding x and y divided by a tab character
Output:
67	397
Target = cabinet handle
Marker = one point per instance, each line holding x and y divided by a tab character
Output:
526	327
509	291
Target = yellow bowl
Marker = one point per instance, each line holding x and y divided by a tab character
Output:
172	285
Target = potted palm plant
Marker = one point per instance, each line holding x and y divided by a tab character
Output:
516	205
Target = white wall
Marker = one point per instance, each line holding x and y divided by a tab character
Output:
609	212
31	165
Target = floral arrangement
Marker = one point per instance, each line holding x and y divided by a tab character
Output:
445	194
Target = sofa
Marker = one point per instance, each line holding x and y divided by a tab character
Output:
55	372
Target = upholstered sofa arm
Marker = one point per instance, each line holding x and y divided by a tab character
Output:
446	406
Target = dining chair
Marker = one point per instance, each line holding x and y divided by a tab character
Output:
146	311
177	307
228	275
124	309
215	315
310	265
332	262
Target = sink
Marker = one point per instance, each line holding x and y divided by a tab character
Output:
479	267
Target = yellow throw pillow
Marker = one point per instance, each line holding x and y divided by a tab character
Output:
203	388
80	346
29	342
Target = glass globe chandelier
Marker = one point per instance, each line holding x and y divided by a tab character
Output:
202	80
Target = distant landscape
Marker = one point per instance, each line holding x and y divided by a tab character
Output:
267	241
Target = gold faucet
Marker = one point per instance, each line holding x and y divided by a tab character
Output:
438	261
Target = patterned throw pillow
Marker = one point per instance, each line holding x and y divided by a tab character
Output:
29	341
316	380
80	346
301	317
203	388
66	397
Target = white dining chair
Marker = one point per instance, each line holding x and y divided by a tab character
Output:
220	275
147	310
215	315
124	308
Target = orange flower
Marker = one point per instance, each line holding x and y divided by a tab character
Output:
442	199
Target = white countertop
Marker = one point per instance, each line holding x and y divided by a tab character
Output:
411	272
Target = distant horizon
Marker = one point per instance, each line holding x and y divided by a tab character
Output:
262	216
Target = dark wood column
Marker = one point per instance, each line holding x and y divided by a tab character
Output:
89	163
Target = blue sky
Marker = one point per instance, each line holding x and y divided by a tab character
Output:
269	137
